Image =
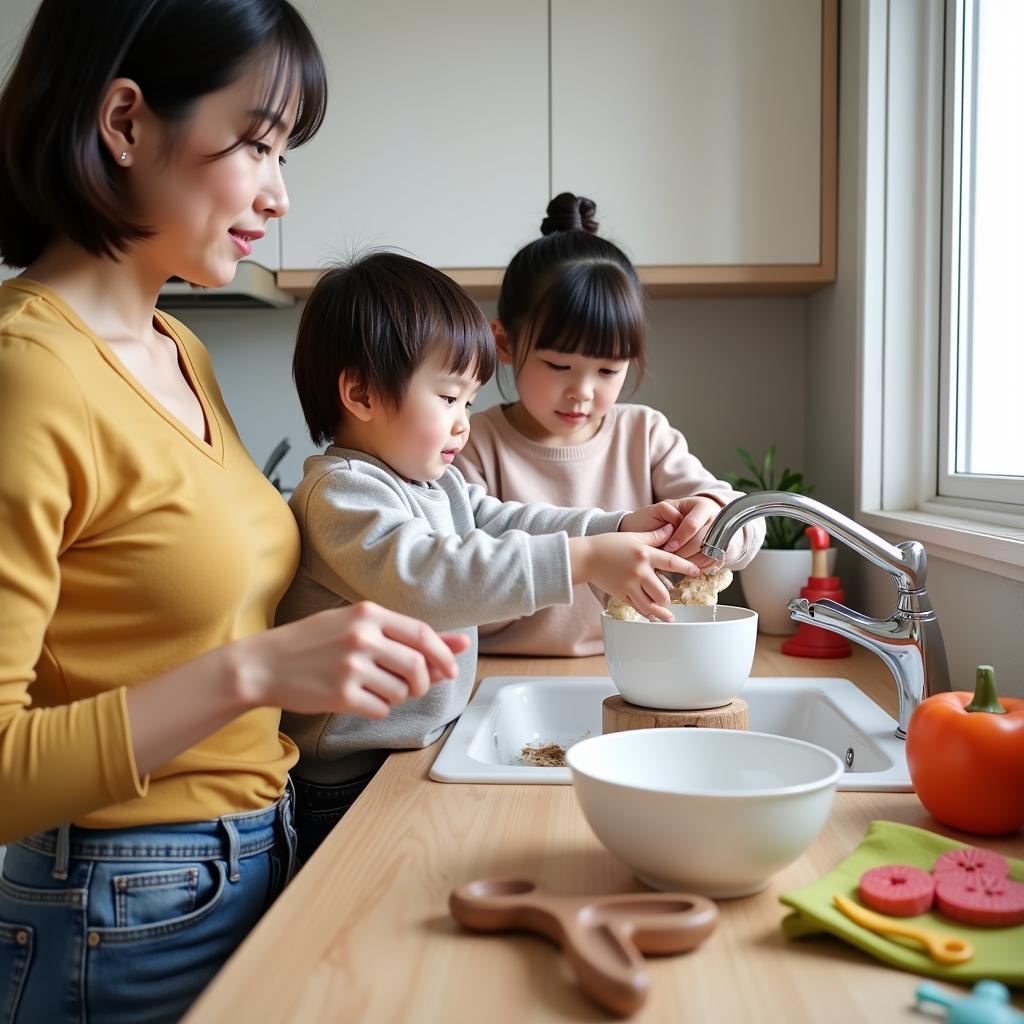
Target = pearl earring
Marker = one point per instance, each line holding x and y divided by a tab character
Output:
124	154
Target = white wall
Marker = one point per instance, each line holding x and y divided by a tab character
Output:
727	373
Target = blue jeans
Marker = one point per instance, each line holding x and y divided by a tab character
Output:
130	925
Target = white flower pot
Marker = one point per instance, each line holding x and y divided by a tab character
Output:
772	579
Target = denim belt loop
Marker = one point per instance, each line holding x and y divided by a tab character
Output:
62	854
234	844
285	812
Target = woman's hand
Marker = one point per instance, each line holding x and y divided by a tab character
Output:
624	564
360	660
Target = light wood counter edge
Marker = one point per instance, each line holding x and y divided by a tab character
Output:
363	932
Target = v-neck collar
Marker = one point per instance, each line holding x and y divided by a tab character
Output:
214	448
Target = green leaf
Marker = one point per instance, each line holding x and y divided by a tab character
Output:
780	531
748	461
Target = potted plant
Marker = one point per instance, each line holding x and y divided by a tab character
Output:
783	564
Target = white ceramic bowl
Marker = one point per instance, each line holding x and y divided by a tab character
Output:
702	660
711	811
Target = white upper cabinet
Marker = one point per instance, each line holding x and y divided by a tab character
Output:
695	125
436	138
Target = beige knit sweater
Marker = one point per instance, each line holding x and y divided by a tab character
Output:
636	458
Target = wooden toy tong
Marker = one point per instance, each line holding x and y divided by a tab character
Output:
602	937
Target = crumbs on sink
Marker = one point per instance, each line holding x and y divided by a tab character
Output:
551	755
545	755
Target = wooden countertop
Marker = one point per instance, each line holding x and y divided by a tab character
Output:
363	933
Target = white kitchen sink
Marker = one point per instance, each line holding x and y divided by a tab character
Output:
508	713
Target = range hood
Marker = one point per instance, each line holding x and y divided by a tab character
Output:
254	287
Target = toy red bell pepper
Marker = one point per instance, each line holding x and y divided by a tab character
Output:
966	758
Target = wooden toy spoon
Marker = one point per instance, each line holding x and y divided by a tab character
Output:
602	937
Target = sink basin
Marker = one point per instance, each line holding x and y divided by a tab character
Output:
508	713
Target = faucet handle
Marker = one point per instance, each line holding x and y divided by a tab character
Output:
831	614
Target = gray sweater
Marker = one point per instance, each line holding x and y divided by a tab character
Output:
444	552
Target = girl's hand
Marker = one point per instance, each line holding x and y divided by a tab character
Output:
696	516
360	660
624	564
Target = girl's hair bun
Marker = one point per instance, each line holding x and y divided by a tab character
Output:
567	212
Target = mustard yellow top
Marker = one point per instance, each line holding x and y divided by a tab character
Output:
128	545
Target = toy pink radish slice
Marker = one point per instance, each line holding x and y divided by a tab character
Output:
983	900
971	860
897	889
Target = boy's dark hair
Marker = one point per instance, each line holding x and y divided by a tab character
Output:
379	317
56	176
573	291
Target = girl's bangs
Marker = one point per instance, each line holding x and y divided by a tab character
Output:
590	309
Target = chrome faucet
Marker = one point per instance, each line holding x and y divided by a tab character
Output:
909	641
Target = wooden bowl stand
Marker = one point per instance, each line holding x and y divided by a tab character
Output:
618	716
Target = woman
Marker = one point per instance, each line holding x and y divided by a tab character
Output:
142	554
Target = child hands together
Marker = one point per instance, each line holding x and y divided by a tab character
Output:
623	564
691	517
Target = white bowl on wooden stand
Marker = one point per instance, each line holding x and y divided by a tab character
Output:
702	660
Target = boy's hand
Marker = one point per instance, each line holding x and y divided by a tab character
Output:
652	517
624	564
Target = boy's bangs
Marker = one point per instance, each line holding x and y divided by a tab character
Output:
592	309
469	345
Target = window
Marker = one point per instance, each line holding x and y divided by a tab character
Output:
940	278
981	428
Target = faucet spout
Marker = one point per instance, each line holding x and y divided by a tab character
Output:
909	642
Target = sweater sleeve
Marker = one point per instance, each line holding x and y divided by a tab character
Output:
56	763
495	517
677	473
361	533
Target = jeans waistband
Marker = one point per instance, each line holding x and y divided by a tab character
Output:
230	837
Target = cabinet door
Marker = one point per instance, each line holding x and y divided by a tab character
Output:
436	136
694	125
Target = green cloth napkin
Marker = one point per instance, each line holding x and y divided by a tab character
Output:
998	952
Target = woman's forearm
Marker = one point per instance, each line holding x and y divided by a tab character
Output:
176	710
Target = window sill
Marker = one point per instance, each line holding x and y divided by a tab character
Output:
987	547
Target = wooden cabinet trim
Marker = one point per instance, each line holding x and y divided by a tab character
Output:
710	281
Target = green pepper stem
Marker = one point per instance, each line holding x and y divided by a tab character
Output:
985	698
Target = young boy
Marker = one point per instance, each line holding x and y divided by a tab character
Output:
389	356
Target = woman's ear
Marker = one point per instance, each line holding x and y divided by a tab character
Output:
501	342
119	119
355	397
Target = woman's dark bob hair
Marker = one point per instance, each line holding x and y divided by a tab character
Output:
56	176
378	318
573	291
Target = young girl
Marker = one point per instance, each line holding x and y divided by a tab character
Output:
570	325
142	554
389	357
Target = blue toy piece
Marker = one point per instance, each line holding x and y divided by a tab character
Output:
988	1003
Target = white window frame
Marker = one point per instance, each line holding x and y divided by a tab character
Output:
903	261
993	493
